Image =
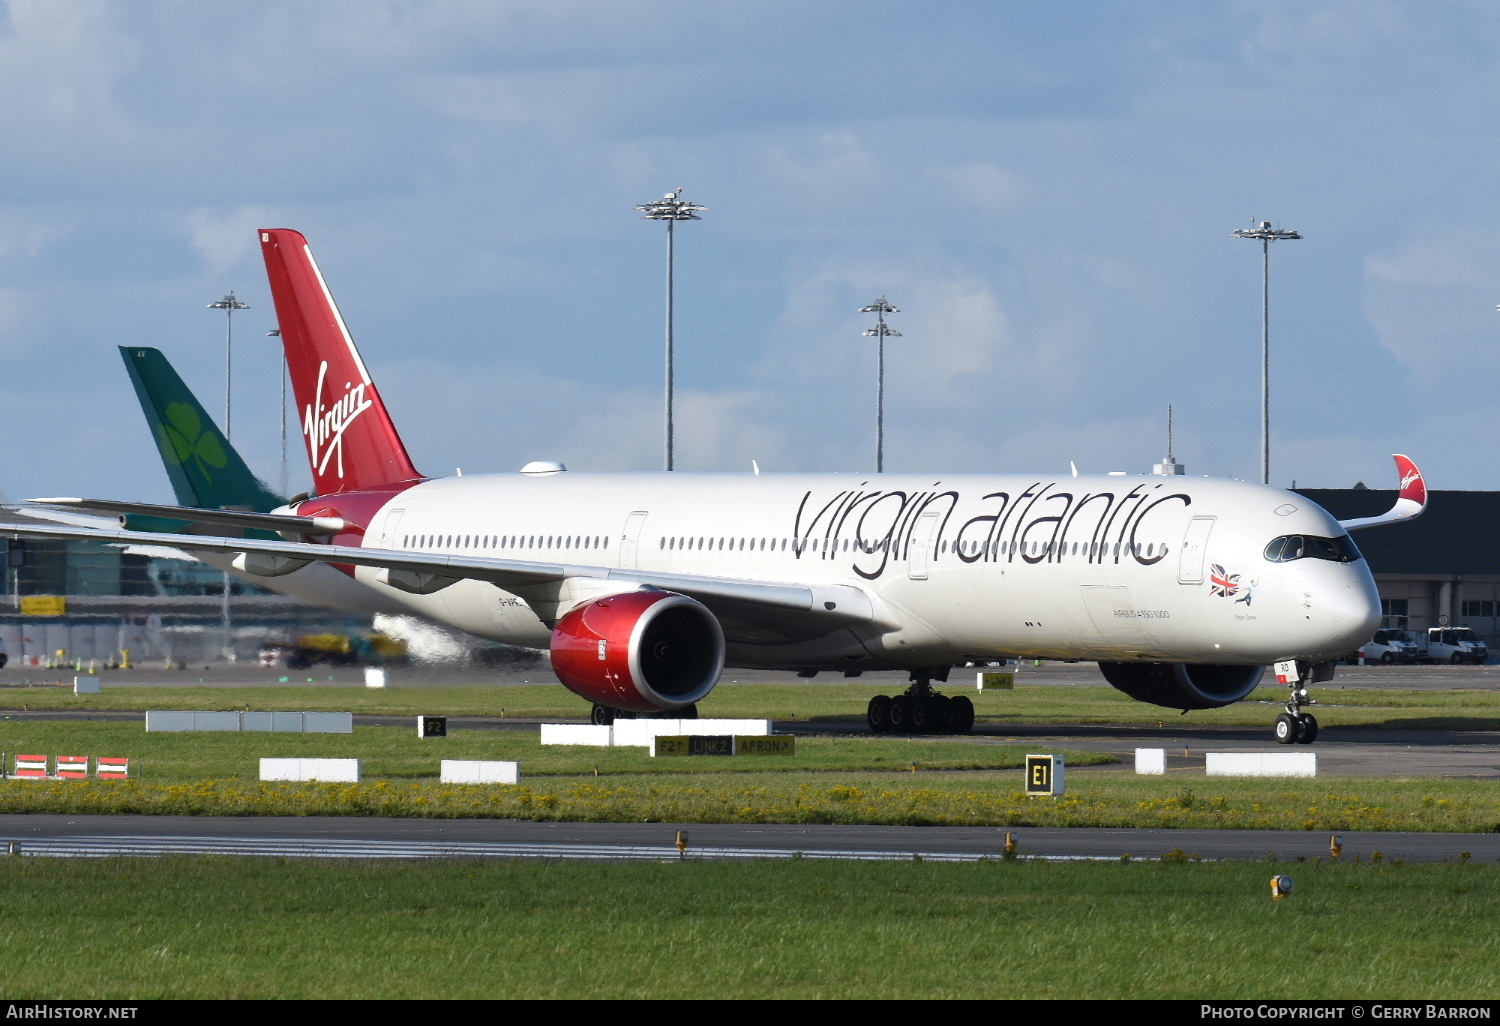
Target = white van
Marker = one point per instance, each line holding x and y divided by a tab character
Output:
1455	645
1392	646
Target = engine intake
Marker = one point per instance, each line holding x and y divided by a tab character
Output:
1183	685
642	651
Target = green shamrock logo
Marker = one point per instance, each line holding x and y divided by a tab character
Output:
183	438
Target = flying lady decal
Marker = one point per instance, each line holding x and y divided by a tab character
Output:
1221	582
1249	592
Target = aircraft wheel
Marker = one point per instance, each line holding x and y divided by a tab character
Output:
688	712
878	714
900	714
602	716
940	714
1307	729
1286	729
963	715
921	715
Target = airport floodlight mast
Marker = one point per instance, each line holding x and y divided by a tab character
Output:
880	332
281	361
671	208
229	305
1267	235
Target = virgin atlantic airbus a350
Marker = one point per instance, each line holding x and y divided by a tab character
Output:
645	586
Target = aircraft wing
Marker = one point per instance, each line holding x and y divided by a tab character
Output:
1410	501
832	606
231	518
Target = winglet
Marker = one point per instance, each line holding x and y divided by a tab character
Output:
1410	501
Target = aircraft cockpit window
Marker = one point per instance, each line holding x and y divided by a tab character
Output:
1298	546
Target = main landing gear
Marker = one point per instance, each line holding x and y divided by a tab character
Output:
603	715
921	710
1295	727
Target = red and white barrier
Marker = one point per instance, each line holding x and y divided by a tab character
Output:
112	769
72	767
31	767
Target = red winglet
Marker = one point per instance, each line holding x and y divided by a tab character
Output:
1413	488
352	443
1411	500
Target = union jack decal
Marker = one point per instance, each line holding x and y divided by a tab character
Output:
1221	582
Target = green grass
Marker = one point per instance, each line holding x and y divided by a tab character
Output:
942	798
1367	707
397	752
246	928
829	780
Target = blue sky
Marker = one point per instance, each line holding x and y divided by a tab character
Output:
1045	190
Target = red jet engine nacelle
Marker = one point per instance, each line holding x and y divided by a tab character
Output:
642	651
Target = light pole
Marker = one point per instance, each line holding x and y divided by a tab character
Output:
671	208
1267	235
276	333
880	332
229	305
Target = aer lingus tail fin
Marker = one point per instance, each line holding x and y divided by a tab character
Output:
206	471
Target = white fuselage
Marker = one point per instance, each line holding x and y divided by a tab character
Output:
957	566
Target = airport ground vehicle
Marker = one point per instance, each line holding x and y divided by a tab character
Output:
1391	645
645	586
1454	645
335	650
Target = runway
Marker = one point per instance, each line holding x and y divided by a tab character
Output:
354	837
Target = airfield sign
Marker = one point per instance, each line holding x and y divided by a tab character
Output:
1044	775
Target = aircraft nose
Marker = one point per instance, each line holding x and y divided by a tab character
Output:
1347	608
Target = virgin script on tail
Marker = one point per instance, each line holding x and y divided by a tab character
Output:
325	425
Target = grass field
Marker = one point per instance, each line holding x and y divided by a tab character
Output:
397	752
982	798
830	779
1351	707
246	928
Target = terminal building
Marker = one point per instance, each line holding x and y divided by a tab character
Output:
102	600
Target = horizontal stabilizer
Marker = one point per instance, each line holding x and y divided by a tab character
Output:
1410	501
279	522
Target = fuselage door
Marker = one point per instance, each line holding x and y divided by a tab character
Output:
630	540
391	538
921	546
1194	548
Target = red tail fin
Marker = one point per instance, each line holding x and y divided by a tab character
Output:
351	442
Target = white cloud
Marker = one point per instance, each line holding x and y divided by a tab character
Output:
17	314
983	186
225	238
1433	302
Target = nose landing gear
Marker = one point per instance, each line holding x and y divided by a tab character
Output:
921	710
1295	727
